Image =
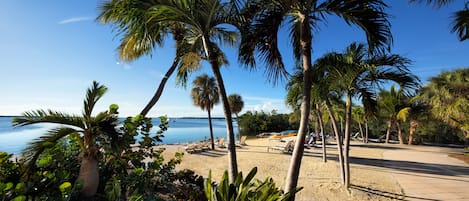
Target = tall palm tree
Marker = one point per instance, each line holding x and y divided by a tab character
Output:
303	16
360	74
236	105
140	35
86	127
448	96
205	95
206	21
460	18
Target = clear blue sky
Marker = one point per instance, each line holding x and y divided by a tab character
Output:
52	50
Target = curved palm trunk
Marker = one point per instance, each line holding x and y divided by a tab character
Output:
88	177
239	128
339	141
211	129
412	129
323	139
361	132
232	161
348	118
160	89
294	169
388	130
399	132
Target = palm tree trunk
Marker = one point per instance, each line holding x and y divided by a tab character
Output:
388	130
338	141
361	132
323	139
412	129
211	129
239	127
366	131
399	132
160	89
232	161
88	177
295	164
348	118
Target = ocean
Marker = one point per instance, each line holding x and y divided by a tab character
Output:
181	130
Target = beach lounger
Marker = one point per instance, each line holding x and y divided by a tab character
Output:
221	143
242	141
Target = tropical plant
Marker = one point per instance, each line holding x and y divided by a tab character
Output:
448	96
359	74
253	123
236	105
141	34
85	128
206	22
460	18
304	16
244	189
205	95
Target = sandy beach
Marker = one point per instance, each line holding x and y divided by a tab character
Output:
320	181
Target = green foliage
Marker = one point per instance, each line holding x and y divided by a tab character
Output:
252	123
244	189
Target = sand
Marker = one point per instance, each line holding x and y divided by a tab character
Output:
320	181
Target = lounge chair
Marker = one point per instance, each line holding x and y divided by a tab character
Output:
242	141
285	148
221	143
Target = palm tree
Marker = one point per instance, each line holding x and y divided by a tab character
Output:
205	21
460	18
236	105
86	127
395	106
358	115
359	74
140	35
303	16
205	95
447	94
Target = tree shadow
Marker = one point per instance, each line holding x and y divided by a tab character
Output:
385	194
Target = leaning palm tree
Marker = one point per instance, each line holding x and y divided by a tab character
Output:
205	95
360	74
460	18
206	22
304	16
395	105
140	36
236	105
86	127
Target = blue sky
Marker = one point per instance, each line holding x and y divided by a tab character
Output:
52	50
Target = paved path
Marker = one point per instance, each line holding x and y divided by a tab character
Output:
428	173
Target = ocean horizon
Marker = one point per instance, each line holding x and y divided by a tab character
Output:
180	130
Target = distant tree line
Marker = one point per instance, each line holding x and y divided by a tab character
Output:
254	122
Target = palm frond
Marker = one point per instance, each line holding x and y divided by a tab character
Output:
37	146
436	3
49	116
93	94
461	24
369	15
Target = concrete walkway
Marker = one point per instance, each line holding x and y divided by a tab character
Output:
428	173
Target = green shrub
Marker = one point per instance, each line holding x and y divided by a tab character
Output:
244	189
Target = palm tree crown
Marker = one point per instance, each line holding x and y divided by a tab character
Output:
205	92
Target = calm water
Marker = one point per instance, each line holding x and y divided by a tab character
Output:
13	140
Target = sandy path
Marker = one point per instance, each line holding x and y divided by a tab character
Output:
427	173
320	180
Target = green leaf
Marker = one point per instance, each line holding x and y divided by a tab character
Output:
8	186
19	198
65	186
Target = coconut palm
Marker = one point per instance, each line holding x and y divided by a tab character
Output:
236	105
303	17
86	128
359	74
140	35
205	95
448	96
206	22
460	18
